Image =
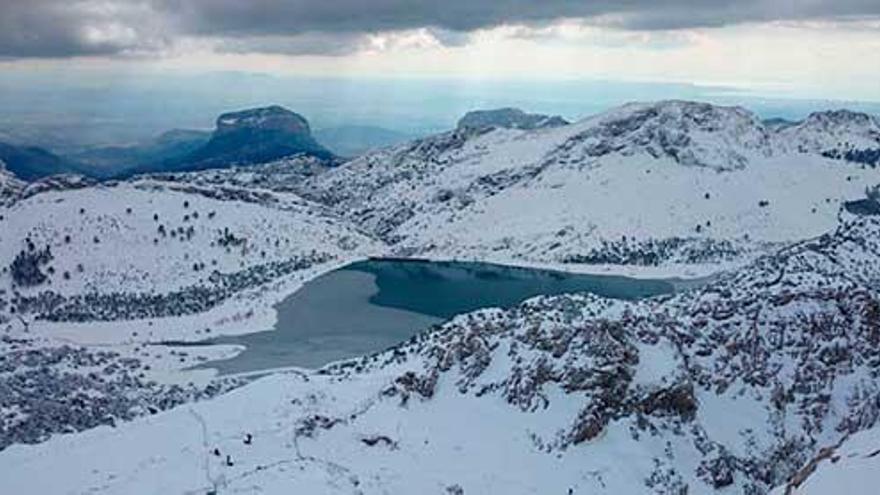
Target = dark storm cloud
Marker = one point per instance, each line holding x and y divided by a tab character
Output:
34	28
280	16
61	28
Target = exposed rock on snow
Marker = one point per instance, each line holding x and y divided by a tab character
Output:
510	118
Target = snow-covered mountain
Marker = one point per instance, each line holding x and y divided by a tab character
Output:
842	135
94	275
510	118
737	385
669	183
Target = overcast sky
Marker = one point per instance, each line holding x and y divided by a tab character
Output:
800	48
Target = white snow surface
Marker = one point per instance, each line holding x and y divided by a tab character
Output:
112	232
852	468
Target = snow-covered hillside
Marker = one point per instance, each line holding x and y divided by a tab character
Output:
842	135
737	385
94	275
10	187
670	183
155	237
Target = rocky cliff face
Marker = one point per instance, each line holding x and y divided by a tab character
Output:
272	118
10	186
258	135
510	118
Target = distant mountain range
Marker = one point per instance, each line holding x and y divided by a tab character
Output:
267	134
247	137
108	161
257	135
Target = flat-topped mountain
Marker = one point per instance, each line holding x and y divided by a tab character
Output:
510	118
257	135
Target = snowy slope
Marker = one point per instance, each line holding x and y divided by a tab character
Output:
10	186
852	467
674	182
94	276
735	386
153	236
840	134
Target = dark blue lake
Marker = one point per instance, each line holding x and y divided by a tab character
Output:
369	306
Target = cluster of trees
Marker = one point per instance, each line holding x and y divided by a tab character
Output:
653	252
194	299
869	157
26	268
226	239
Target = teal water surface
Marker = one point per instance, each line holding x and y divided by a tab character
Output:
372	305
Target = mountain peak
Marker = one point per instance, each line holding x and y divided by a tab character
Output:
838	134
690	133
840	117
510	118
256	135
274	117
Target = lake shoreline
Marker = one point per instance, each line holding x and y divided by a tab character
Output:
373	304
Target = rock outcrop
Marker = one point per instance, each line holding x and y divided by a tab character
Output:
510	118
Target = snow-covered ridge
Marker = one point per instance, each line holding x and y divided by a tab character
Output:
842	135
667	183
10	186
158	237
850	467
691	133
511	118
